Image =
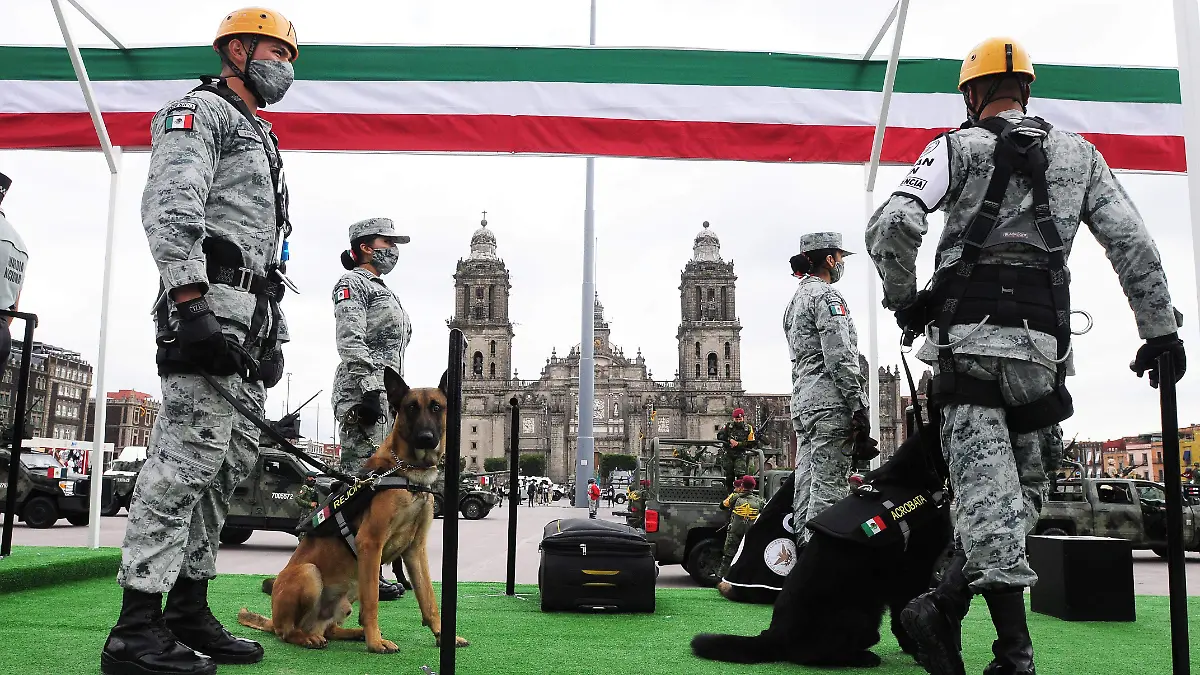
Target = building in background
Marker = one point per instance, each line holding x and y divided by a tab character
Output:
60	383
129	418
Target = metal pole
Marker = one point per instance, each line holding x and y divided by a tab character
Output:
1187	31
889	82
887	23
18	433
514	439
584	452
96	22
86	85
1176	574
101	393
454	373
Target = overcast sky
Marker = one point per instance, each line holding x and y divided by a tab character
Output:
647	211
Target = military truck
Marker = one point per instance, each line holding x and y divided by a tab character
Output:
123	473
266	499
46	492
680	511
473	503
1117	507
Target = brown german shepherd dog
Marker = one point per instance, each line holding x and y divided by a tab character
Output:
314	593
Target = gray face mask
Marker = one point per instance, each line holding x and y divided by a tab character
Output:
839	268
385	259
271	79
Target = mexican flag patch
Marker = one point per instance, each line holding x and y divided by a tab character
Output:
342	294
837	309
55	472
874	526
178	123
321	516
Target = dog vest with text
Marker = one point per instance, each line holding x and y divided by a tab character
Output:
335	516
878	515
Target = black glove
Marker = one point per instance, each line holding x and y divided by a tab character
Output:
1147	357
864	448
913	318
370	410
201	341
270	368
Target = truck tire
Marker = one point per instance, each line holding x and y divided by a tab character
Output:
78	519
704	562
471	508
234	536
1054	532
114	507
40	513
620	498
437	506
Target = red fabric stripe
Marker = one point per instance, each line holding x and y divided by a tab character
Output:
567	135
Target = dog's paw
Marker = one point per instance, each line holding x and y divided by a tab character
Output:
316	642
864	660
460	641
384	647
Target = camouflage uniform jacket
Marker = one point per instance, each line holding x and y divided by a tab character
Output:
307	496
372	330
210	176
744	505
826	371
744	435
958	167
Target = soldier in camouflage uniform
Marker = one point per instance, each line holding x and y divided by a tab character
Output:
372	332
998	475
308	497
829	393
743	506
738	438
215	213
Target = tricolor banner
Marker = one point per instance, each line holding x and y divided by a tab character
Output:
665	103
55	472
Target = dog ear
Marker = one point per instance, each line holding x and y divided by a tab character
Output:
395	387
443	383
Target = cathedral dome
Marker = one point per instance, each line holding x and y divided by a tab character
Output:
706	247
483	243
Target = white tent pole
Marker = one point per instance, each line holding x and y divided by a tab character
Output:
113	156
1187	30
889	82
586	441
887	23
96	22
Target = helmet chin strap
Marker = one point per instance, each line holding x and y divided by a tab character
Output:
243	74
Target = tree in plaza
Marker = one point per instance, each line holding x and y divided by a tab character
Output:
495	464
532	464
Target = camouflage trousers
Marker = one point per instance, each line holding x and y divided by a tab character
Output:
200	449
999	477
358	444
733	539
822	464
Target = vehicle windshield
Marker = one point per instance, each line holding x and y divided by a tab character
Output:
119	465
39	460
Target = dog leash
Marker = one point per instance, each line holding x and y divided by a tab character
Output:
270	431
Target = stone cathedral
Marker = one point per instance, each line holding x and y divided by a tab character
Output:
631	407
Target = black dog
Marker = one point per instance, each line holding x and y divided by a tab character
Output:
832	603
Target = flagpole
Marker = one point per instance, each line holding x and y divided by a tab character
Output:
586	441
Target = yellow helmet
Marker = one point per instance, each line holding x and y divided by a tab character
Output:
258	21
995	56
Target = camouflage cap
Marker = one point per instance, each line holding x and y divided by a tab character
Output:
380	227
816	241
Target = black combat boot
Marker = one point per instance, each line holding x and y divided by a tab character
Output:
398	570
388	590
141	644
189	618
934	620
1013	649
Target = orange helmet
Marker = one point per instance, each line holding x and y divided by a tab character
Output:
995	56
258	21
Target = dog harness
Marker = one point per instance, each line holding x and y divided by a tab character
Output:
878	515
335	516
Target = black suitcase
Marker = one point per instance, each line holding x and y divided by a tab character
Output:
594	565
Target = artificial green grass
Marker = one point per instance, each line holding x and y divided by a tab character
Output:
61	629
34	566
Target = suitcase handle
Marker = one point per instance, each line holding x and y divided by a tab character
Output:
583	549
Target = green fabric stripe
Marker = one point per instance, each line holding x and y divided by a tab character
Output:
640	66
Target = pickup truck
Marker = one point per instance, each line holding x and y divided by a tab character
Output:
1116	507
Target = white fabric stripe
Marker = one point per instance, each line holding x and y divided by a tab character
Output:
690	103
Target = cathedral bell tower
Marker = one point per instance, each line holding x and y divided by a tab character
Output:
481	290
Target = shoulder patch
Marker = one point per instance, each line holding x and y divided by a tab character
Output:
175	121
341	293
180	106
838	308
929	179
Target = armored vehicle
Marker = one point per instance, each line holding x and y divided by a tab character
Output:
123	473
473	503
45	490
266	499
1116	507
680	511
